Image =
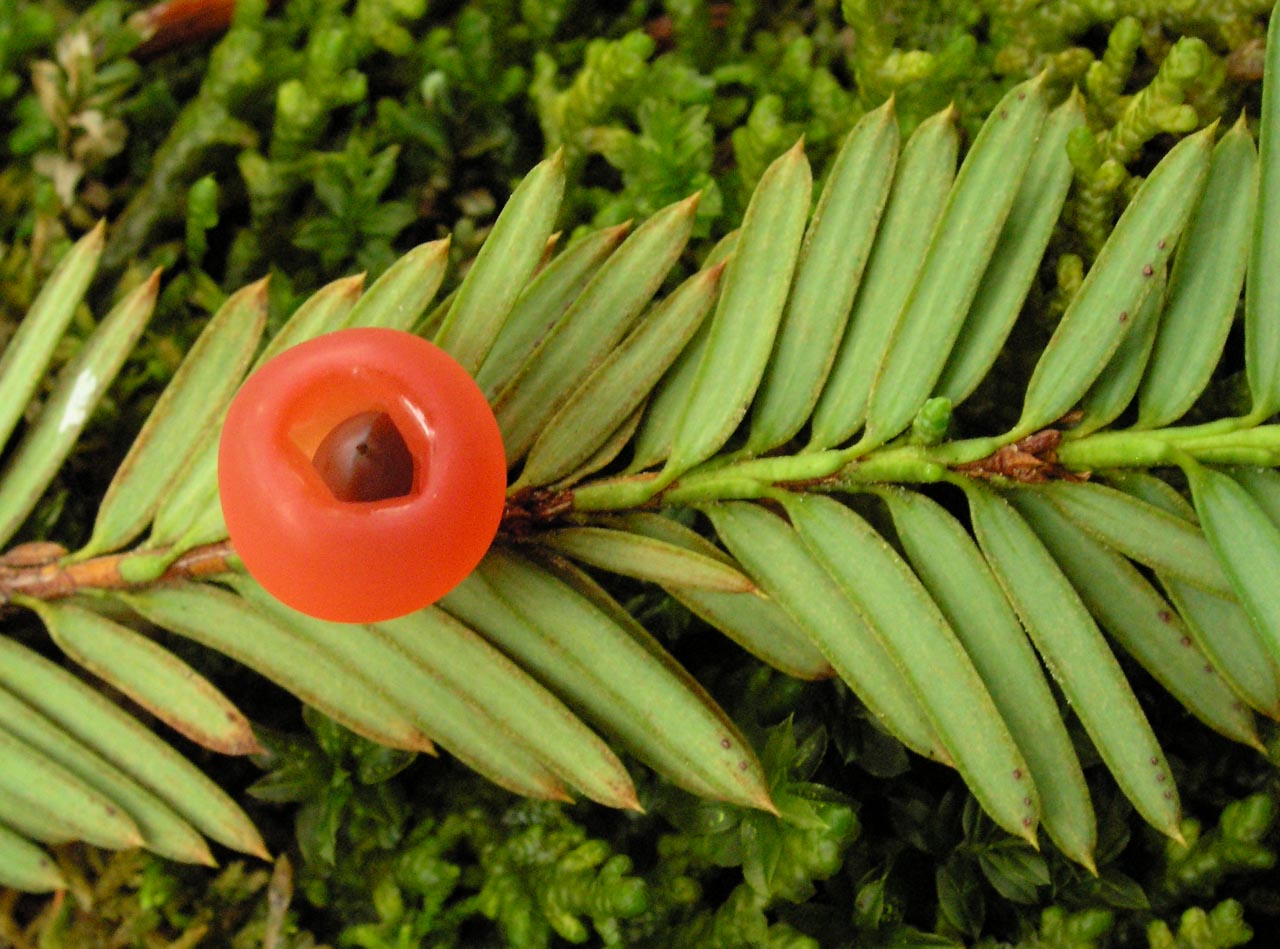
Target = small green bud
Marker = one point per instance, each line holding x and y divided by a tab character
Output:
932	422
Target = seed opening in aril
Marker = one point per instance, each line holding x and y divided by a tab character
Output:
365	458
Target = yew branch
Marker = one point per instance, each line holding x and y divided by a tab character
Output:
37	570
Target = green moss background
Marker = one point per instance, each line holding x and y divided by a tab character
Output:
321	137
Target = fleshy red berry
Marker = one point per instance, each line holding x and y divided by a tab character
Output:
362	475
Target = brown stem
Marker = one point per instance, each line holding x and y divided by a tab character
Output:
175	23
1031	460
35	570
53	580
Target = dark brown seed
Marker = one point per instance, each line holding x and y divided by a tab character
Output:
365	459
